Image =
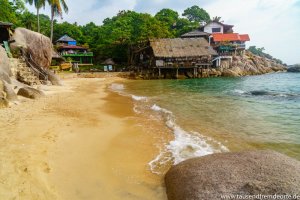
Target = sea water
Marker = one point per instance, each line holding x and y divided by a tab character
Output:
213	115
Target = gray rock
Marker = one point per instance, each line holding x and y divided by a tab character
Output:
38	45
294	69
4	64
3	101
30	93
245	173
10	93
53	78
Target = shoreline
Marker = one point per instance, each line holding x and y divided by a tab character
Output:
84	143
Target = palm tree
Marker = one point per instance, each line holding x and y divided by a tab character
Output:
38	4
57	8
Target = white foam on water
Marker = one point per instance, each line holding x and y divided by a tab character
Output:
184	146
139	98
117	87
239	91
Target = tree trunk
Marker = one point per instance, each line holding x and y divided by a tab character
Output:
38	18
52	21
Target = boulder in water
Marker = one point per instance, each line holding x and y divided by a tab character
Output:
294	69
245	173
30	93
36	44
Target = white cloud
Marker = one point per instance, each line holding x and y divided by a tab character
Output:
273	24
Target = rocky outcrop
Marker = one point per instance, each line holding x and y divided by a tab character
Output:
30	93
294	69
35	44
245	173
243	65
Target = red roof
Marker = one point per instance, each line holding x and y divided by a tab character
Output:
71	47
220	37
245	37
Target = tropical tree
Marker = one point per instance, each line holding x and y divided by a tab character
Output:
196	14
57	8
216	19
38	4
28	20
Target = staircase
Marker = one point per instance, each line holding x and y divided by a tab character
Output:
26	75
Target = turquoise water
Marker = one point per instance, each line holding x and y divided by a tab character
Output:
255	112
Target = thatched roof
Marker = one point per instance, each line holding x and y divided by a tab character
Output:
181	48
109	61
195	33
5	24
66	38
56	56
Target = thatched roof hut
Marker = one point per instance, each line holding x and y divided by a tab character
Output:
195	34
181	48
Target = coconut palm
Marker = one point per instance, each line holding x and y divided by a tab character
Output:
38	4
57	8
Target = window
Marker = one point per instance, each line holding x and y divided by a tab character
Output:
216	30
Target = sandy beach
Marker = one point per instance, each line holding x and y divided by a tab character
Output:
81	141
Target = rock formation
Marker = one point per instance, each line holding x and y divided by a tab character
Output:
35	44
247	64
295	68
245	173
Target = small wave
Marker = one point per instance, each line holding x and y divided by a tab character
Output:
117	87
138	98
184	146
236	91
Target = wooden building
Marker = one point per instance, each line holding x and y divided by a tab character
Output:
216	27
67	47
177	53
5	36
229	42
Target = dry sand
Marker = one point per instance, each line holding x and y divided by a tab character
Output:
79	142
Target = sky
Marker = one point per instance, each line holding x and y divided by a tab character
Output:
272	24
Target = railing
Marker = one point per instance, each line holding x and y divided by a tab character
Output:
35	68
78	54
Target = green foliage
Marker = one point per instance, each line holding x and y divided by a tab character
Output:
28	20
196	14
10	11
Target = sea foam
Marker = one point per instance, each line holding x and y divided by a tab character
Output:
138	98
184	146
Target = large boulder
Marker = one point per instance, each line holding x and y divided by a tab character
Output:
53	78
5	71
30	93
36	44
245	173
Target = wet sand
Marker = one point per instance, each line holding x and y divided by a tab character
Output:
79	142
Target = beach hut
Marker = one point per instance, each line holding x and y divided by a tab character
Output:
67	48
109	64
178	53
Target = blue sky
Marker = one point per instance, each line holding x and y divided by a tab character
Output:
273	24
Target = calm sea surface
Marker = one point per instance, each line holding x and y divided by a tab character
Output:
221	114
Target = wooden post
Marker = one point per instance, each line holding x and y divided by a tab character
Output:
177	73
159	73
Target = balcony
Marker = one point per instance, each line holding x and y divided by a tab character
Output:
79	54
